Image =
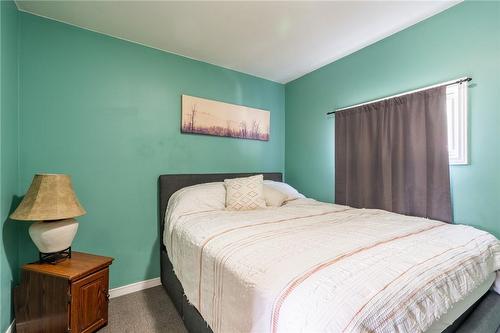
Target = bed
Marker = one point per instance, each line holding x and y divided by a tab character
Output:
303	292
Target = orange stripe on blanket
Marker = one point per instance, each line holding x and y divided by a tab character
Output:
406	271
243	227
249	241
301	278
462	263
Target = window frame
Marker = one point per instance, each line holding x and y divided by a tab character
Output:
457	123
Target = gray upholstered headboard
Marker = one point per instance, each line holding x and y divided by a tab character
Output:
169	184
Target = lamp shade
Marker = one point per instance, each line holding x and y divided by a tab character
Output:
50	197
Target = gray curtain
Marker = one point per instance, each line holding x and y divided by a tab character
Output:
393	155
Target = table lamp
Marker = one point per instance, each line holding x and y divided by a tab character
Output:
52	203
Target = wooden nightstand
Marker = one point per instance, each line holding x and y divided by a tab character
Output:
70	296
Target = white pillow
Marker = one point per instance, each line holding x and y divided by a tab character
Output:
198	198
273	197
290	192
244	193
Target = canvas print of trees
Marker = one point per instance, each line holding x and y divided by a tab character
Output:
204	116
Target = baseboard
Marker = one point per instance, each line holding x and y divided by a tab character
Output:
133	287
12	327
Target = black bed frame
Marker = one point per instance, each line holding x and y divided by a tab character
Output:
168	185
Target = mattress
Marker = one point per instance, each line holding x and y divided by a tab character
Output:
315	267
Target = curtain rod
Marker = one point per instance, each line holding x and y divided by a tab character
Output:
447	83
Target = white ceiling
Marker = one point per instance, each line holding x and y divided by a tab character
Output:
279	41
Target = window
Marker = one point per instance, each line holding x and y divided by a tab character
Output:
456	111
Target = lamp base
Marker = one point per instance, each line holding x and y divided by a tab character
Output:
53	236
54	257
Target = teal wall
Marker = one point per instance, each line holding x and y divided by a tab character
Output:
107	112
9	156
464	40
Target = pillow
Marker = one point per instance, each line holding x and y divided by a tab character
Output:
273	197
290	192
244	193
198	198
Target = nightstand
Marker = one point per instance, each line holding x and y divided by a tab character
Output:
70	296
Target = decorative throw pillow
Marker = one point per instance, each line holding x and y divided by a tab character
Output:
273	197
244	193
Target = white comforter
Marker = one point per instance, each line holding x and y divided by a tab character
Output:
317	267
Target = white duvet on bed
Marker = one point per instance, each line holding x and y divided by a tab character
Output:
317	267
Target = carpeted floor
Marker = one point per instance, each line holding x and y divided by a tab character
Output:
146	311
151	311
